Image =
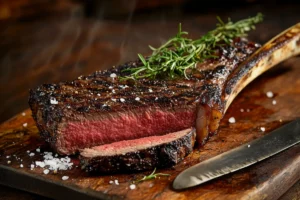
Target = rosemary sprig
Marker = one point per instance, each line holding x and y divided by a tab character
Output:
151	176
179	53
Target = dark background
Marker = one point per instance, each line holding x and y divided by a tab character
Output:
44	41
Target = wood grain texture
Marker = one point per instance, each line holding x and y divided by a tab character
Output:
266	180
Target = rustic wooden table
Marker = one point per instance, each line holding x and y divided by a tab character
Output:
60	48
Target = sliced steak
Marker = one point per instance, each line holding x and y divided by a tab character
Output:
107	118
146	153
100	109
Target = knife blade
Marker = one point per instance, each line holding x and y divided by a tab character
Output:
240	157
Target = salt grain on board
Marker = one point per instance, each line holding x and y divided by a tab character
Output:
132	186
274	102
46	171
263	129
117	182
25	124
270	94
231	120
65	178
31	154
23	114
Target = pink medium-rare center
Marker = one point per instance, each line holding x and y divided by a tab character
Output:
118	126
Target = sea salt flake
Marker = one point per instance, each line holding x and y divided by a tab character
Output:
117	182
25	124
53	101
114	100
231	120
31	154
8	162
65	178
113	91
150	90
38	150
274	102
242	110
7	156
113	75
269	94
263	129
249	145
23	114
40	164
110	87
137	98
122	100
46	171
98	94
111	182
21	166
132	186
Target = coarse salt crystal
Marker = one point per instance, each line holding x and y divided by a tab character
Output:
132	186
122	100
263	129
53	101
150	90
98	94
114	100
23	114
28	151
117	182
40	164
110	87
65	178
21	166
31	166
137	98
25	124
156	98
31	154
113	75
249	146
231	120
111	182
274	102
38	150
270	94
46	171
7	156
113	91
8	162
242	110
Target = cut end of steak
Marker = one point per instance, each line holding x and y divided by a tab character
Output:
139	154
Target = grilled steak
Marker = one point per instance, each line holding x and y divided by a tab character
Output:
146	153
99	109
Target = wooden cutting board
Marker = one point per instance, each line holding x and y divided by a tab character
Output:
268	179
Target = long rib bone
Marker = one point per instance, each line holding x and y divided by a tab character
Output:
278	49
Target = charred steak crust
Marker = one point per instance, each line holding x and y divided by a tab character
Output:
55	105
163	155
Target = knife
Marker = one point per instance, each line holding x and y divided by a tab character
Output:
240	157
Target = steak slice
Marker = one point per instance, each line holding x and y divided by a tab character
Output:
146	153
